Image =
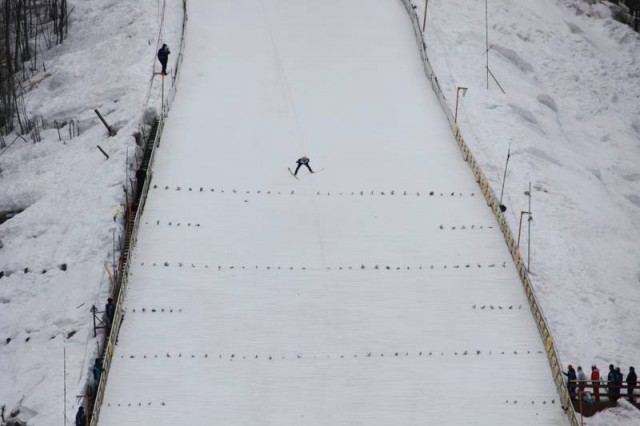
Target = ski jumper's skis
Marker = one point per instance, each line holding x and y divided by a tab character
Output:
314	172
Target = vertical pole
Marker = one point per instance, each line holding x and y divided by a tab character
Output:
94	310
455	116
458	89
113	255
504	177
162	97
134	196
424	20
580	403
64	370
87	409
529	234
486	31
522	213
126	165
126	208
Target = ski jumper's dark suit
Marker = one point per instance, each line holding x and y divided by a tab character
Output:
163	57
302	161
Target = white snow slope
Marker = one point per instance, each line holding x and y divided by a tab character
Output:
70	193
379	291
571	113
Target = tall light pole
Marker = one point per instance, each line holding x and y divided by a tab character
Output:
458	89
486	35
424	20
503	208
528	194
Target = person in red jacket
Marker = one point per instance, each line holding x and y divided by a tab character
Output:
595	381
571	381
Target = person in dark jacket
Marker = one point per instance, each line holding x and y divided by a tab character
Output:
571	380
97	370
611	383
163	57
141	175
110	311
632	382
81	417
302	161
595	382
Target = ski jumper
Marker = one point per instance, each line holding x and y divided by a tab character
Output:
302	161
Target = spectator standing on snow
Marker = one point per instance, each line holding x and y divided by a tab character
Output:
595	382
302	161
632	382
81	417
141	174
571	380
163	57
97	370
110	311
611	383
582	379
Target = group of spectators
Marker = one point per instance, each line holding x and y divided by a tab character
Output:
577	382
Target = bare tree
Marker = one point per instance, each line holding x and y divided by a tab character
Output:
23	25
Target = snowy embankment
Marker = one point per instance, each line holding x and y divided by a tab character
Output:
570	113
53	252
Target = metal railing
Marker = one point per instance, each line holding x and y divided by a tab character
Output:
122	289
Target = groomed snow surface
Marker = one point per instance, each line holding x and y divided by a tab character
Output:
378	291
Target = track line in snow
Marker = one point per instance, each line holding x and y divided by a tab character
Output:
176	224
153	405
346	193
136	404
404	268
183	223
284	84
396	356
144	310
488	307
465	227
